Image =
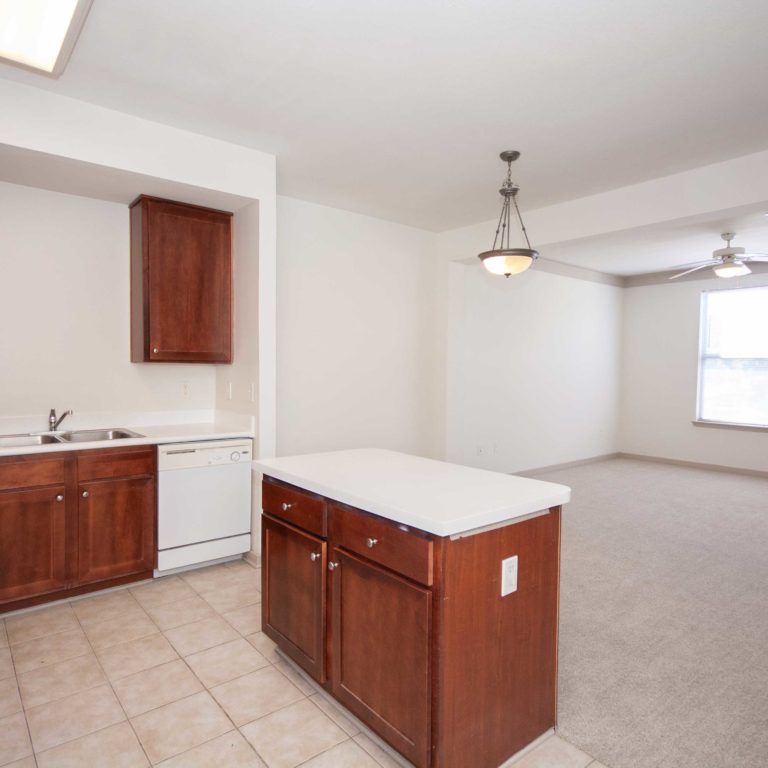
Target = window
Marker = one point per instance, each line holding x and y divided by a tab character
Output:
733	364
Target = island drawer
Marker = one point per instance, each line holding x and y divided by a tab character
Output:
406	551
293	505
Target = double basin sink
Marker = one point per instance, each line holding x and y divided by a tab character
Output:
76	436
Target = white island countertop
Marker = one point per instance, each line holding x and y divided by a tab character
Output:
437	497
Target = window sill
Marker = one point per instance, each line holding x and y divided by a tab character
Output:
730	425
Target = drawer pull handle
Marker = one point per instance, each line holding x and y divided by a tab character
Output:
286	506
60	497
371	543
315	556
86	494
333	566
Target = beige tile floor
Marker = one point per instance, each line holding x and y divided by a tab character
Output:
177	673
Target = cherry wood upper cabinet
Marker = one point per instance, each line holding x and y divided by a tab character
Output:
181	283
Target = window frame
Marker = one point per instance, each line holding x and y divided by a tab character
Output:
699	420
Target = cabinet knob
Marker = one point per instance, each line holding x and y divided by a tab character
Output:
333	566
315	556
286	506
371	543
155	350
86	494
60	497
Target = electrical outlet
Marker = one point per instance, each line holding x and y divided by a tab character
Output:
508	576
229	390
252	392
185	388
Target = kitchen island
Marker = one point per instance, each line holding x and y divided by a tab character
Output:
422	595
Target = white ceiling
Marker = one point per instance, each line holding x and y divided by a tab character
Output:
74	177
398	108
663	247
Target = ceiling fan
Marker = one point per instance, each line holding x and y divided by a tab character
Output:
725	262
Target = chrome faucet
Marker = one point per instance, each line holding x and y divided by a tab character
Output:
53	422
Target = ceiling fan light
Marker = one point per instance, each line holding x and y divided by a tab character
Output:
732	269
509	261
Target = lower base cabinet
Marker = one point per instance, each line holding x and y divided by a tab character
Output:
115	528
293	607
33	542
75	521
409	630
382	639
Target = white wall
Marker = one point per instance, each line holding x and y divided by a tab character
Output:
99	137
357	325
241	378
534	369
661	343
64	313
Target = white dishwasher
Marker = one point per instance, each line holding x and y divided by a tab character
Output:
204	501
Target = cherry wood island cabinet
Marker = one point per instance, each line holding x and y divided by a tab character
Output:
75	521
181	283
408	629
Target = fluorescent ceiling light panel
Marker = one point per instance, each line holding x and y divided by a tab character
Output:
40	34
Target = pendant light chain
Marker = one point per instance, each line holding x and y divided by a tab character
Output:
520	219
504	209
508	189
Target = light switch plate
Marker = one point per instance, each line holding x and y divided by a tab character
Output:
508	576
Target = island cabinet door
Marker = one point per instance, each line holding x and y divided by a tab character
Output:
380	661
116	523
293	593
32	542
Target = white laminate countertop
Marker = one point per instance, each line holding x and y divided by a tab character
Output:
441	498
157	435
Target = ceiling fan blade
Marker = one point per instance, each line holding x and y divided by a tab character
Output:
702	263
755	257
694	269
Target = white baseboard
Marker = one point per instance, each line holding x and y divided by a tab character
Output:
694	464
566	465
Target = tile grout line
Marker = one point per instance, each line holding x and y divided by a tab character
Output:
18	689
325	751
114	692
362	728
208	690
81	627
109	682
182	658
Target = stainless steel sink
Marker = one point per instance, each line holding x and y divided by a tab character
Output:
93	435
76	436
23	441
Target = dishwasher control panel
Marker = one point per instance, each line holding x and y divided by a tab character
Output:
212	453
228	457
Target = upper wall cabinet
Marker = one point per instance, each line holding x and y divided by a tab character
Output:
181	283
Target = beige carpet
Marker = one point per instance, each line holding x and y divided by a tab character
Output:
664	616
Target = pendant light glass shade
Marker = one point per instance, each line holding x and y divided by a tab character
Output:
505	260
509	262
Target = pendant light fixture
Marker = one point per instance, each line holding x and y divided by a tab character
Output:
505	260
